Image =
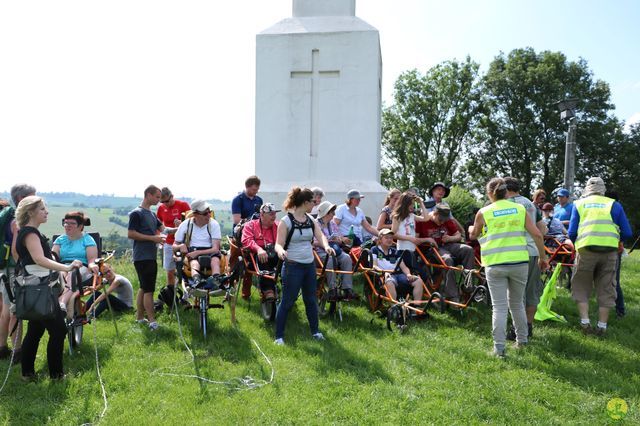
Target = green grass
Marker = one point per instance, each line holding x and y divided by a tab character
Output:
437	372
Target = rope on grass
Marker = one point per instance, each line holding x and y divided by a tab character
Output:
99	374
238	383
15	340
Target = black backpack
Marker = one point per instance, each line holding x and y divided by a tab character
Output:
6	216
167	295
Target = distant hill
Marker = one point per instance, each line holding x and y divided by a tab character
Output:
74	199
108	213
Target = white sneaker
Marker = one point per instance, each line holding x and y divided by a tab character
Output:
143	321
318	336
279	342
153	326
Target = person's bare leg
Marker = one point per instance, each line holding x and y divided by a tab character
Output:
391	289
171	277
215	265
4	326
603	315
417	289
139	305
148	306
583	310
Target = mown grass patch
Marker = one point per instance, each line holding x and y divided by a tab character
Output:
437	372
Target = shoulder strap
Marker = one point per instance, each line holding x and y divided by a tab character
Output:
290	233
187	237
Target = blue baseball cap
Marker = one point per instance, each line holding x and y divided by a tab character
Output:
563	192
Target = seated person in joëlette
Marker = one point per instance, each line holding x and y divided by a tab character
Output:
259	236
443	232
326	212
385	258
197	236
75	244
555	228
117	288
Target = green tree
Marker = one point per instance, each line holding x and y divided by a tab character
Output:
521	133
425	130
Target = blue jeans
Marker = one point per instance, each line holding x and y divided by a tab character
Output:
116	304
296	277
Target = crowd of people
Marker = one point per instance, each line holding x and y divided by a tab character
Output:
509	231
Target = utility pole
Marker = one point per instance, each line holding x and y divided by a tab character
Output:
567	113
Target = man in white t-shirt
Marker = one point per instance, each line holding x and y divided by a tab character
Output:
199	236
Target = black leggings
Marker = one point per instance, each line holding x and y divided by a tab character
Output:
57	333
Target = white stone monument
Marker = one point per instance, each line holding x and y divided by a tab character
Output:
318	104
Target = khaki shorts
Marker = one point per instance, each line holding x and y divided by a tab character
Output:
595	271
534	287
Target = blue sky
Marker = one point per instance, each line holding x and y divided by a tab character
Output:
157	83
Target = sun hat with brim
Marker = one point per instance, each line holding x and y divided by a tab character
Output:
442	185
325	207
385	231
200	206
354	193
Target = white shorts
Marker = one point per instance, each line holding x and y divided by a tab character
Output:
167	258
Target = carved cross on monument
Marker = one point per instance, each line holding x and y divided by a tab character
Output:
315	75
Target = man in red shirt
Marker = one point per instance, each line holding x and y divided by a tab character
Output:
259	236
443	232
170	214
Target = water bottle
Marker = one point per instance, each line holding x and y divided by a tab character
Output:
352	234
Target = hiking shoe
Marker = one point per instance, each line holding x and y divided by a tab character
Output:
520	345
587	329
143	321
349	294
498	353
332	294
600	332
318	336
511	334
153	326
29	378
279	341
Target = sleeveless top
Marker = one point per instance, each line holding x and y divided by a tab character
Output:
23	253
300	249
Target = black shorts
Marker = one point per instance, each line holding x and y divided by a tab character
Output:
147	272
192	249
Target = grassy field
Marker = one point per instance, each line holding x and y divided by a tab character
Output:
438	372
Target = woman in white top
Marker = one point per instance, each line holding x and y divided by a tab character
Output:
350	215
403	226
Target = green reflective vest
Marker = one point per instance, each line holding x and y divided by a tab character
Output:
596	228
503	237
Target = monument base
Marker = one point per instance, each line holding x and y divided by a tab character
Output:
334	191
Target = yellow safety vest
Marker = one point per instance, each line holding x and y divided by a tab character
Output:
503	238
596	227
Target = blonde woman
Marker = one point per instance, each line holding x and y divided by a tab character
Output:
35	257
